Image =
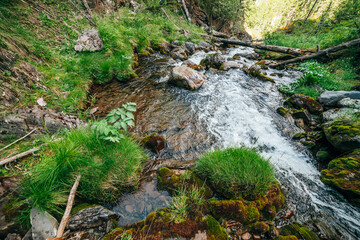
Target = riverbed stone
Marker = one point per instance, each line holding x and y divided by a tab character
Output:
229	65
331	98
213	61
187	78
89	40
297	231
43	225
349	103
179	53
300	101
343	174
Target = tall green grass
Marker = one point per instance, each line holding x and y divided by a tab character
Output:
108	170
236	172
48	44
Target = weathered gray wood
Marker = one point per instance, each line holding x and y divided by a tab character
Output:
287	50
18	140
320	53
69	206
20	155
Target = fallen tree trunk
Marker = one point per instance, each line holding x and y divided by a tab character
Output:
292	51
320	53
69	206
186	10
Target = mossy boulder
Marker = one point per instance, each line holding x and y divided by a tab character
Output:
175	180
154	142
344	175
300	101
343	134
260	228
299	231
213	61
282	111
215	231
290	237
255	71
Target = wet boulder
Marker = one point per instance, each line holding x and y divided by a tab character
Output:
154	142
191	64
190	47
204	46
89	40
343	174
349	103
297	231
179	53
300	101
187	78
229	65
255	71
331	98
213	60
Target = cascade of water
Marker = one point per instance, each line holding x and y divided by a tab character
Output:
240	110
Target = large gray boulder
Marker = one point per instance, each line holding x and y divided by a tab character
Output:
228	65
331	98
187	78
43	225
213	60
89	40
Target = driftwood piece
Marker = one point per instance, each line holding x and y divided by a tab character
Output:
287	50
69	206
320	53
20	155
18	140
185	10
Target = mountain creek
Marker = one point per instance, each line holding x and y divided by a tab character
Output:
231	109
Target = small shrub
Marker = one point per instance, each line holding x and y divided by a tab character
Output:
236	172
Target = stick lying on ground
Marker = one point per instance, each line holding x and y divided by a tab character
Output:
69	206
18	140
292	51
320	53
20	155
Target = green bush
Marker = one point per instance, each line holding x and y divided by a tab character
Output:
108	169
236	172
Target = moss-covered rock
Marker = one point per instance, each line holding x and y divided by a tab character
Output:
300	101
255	71
282	111
215	231
175	180
344	175
290	237
299	231
227	209
154	142
260	228
343	134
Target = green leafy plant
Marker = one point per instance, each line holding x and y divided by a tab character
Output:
117	120
313	73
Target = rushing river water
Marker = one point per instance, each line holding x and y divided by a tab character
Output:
233	109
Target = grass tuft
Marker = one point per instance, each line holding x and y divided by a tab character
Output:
236	172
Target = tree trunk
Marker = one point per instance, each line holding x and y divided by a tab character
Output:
292	51
320	53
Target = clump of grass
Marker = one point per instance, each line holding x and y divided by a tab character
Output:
187	203
334	76
236	172
108	169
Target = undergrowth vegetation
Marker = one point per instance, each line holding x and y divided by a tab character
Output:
108	169
47	42
236	172
340	74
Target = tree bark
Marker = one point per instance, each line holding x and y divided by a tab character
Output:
320	53
286	50
69	206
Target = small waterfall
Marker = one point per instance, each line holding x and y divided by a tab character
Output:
240	110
